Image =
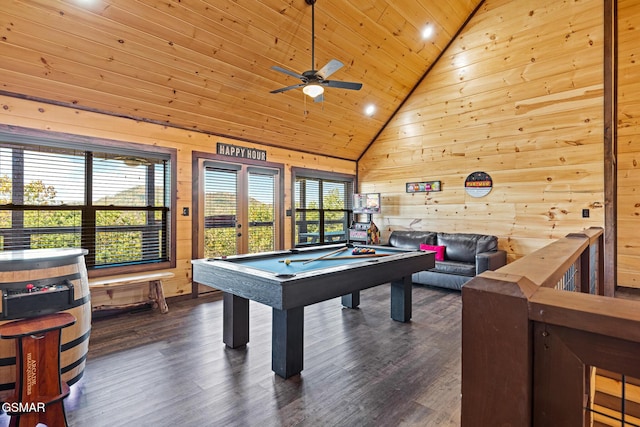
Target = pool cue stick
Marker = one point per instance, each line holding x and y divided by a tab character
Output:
338	257
326	255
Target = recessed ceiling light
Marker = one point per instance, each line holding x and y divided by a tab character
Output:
370	109
427	31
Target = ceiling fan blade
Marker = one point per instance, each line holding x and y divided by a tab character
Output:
283	89
342	85
319	98
284	70
330	68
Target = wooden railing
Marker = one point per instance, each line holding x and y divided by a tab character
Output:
534	331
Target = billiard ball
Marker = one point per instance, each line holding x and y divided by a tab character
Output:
287	261
363	251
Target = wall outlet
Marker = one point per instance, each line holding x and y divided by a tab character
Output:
585	213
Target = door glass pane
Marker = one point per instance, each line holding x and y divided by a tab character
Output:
261	213
220	212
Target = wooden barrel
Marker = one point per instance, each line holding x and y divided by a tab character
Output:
47	267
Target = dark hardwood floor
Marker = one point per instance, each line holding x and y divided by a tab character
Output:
360	367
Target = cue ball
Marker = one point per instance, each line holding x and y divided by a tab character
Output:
287	261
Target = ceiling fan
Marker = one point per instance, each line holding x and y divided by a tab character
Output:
314	81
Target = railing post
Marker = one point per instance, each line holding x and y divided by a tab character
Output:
601	289
585	261
585	270
559	387
497	351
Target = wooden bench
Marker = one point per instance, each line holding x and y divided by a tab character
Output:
156	292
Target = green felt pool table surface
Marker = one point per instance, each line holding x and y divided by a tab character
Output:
301	260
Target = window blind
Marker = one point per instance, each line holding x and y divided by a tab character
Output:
114	205
220	211
322	208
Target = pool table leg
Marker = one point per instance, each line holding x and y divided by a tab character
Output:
287	341
235	320
401	299
351	300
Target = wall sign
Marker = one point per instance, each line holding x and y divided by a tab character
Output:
243	152
423	187
478	184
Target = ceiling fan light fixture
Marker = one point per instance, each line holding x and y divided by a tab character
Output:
313	90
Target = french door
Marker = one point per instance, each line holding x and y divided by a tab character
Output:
240	209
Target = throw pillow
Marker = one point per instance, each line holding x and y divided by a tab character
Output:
439	250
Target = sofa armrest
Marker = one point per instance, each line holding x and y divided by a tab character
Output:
490	260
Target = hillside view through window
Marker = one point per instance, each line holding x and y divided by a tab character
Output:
114	205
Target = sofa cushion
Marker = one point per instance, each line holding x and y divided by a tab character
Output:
455	267
441	280
460	247
411	239
463	247
486	244
439	250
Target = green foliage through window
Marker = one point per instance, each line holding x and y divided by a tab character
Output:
322	206
120	213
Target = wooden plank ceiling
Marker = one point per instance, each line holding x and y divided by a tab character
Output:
206	64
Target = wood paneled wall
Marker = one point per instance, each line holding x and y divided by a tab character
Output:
519	95
40	116
206	64
628	143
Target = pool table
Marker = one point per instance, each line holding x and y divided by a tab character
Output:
289	280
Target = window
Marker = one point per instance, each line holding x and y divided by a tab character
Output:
322	206
113	202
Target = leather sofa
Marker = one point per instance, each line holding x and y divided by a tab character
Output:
462	255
